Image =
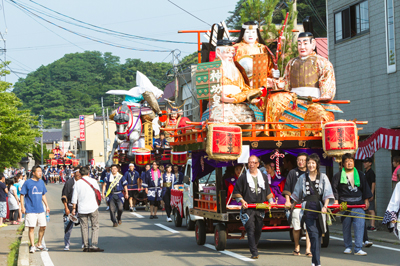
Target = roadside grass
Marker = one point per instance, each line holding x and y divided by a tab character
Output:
12	259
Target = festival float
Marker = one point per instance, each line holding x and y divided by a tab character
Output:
58	158
270	115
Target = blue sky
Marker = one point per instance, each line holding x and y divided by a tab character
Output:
32	42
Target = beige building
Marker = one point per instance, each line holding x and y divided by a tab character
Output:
93	146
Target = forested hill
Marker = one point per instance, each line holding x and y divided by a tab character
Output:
74	84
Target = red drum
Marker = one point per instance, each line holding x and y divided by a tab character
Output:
339	137
75	162
179	157
224	142
53	162
142	158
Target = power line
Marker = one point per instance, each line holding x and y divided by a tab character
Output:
86	36
113	31
189	13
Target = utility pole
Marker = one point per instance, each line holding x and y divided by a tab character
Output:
41	140
104	133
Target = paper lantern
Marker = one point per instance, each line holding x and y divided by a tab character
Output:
339	137
179	158
68	161
224	142
75	162
60	161
53	162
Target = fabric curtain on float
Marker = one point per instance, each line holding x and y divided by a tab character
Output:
200	169
383	138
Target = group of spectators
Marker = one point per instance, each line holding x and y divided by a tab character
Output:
10	198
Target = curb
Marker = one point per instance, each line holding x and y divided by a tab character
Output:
378	239
23	254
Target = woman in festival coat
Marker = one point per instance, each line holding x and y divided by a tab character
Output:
391	218
169	180
304	192
154	183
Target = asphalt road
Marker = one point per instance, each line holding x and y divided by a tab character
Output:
140	241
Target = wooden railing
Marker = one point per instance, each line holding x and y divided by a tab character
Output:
196	132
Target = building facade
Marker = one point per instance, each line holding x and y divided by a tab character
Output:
93	145
364	48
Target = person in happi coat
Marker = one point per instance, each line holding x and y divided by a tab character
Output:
252	187
154	184
313	190
230	182
132	177
169	180
115	184
276	182
310	76
391	218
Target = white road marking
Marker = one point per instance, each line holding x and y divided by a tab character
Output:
46	258
229	253
137	215
374	245
167	228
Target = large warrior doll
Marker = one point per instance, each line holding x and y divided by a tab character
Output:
251	43
306	76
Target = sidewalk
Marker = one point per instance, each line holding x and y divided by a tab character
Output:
382	235
8	235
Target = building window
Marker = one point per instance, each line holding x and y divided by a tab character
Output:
351	21
390	39
188	109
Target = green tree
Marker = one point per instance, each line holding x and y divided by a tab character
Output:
74	84
36	153
316	9
17	135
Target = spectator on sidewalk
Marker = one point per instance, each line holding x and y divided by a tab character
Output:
396	172
132	176
350	185
88	209
66	198
32	198
3	200
290	184
391	218
370	176
113	186
17	186
13	202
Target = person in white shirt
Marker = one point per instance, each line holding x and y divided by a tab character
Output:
88	208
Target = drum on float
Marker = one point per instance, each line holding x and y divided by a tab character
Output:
142	157
179	157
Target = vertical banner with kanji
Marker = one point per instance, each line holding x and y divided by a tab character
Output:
82	128
148	135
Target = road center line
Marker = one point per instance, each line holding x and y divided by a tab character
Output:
374	245
137	215
229	253
167	228
46	258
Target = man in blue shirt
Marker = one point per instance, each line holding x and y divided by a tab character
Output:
32	198
132	177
